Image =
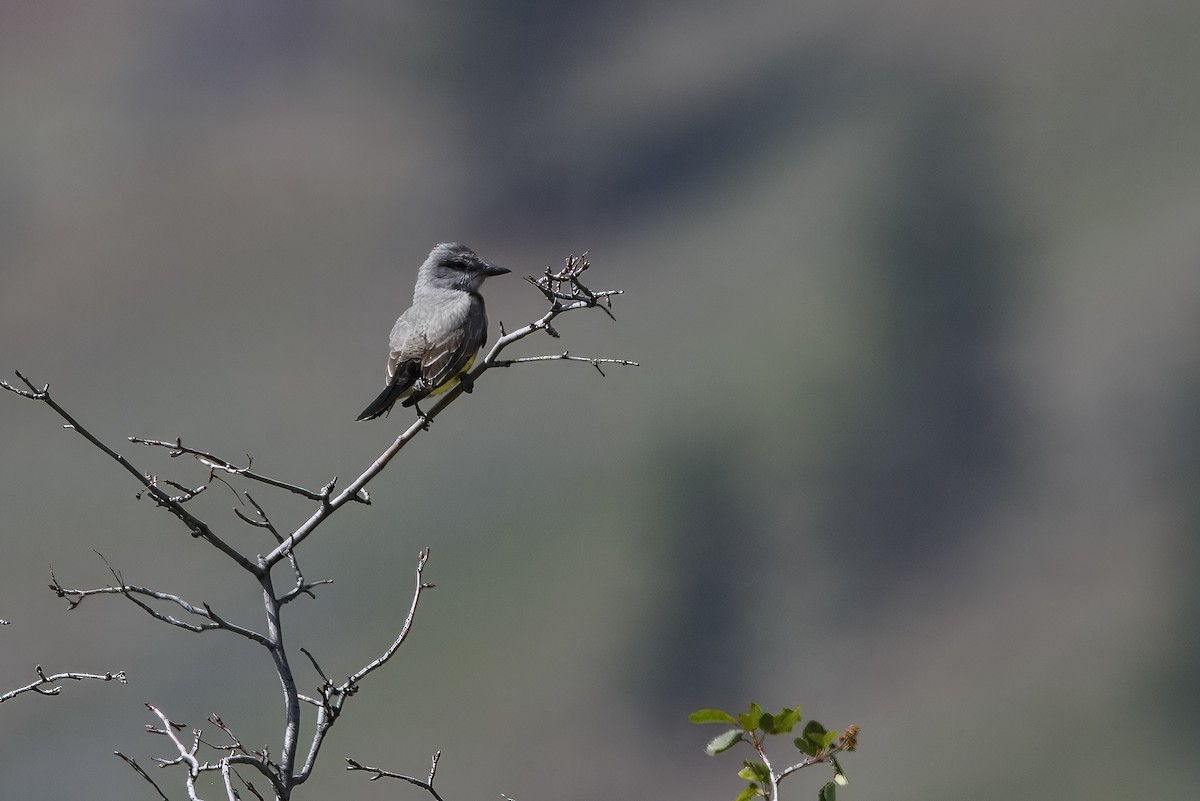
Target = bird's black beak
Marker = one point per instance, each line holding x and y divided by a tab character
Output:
491	269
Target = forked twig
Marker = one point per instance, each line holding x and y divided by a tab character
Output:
39	686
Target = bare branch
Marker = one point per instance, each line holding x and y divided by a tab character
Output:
262	522
315	665
39	686
197	526
565	356
234	748
301	587
131	762
249	786
380	773
188	756
75	597
213	462
263	765
188	493
362	673
334	696
227	778
235	744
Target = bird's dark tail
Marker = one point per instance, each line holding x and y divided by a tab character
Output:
383	404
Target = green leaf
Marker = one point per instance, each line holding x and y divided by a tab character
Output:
828	792
767	723
815	733
750	721
829	738
805	746
751	791
785	720
755	771
723	742
711	716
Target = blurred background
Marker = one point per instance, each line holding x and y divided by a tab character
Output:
916	291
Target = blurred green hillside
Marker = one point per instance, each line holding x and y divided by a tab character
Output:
916	292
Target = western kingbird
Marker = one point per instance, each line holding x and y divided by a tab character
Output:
437	337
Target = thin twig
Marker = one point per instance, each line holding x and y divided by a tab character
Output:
131	762
75	597
197	526
249	786
362	673
43	679
301	586
214	462
334	696
262	522
187	756
566	357
235	744
381	773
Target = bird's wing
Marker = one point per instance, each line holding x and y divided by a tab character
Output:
443	360
407	345
446	358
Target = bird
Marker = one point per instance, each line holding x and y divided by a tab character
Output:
436	339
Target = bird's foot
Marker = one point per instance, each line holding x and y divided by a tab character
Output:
466	382
424	418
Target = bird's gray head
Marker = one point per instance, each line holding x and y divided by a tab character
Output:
452	265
